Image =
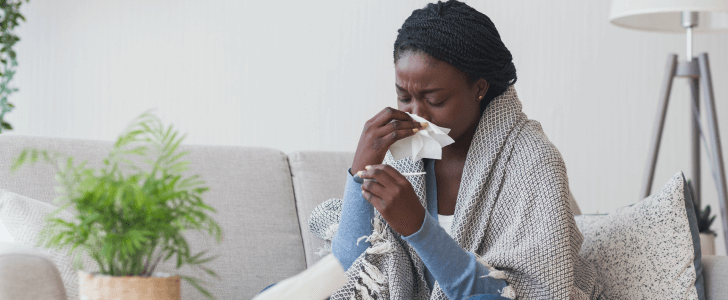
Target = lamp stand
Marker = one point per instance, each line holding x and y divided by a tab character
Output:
698	73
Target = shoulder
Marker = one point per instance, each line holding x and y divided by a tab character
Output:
533	149
537	169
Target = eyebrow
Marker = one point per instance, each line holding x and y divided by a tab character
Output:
422	92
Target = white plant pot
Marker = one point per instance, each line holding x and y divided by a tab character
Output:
707	244
103	287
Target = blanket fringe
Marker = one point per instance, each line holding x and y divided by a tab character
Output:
363	291
328	237
373	283
372	279
374	273
331	231
378	239
508	291
323	251
369	282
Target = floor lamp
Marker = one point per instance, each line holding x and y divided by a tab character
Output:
684	16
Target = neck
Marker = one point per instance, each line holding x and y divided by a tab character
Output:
459	149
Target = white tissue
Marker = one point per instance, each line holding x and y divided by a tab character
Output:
426	143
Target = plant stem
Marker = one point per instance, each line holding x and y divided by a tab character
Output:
154	266
149	258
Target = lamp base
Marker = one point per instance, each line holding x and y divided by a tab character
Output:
698	73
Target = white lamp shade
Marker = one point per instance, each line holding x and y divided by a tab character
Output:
665	15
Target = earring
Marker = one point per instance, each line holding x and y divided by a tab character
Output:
480	98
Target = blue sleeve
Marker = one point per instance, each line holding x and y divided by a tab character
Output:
356	221
458	272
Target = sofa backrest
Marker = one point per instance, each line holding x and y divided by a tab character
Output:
251	189
317	177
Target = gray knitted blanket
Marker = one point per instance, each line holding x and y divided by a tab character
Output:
512	212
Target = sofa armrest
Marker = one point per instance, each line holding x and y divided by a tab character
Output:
26	273
715	274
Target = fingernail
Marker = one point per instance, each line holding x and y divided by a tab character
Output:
359	173
424	124
415	130
367	167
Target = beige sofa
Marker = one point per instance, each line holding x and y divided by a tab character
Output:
263	198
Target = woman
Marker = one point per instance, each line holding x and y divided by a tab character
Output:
491	219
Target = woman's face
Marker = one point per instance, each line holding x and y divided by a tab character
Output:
439	92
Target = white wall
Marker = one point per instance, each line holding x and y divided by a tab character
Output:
306	75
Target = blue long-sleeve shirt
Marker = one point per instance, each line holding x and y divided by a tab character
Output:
457	271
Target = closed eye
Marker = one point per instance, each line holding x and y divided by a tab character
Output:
438	103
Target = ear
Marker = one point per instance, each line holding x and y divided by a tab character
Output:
481	87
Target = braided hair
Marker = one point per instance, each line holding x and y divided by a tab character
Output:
460	35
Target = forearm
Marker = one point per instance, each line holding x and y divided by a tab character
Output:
457	271
356	221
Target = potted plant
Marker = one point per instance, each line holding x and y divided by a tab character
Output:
707	236
131	213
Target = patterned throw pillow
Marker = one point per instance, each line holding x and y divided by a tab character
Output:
24	219
648	250
5	236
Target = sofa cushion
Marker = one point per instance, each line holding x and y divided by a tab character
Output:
648	250
317	177
715	273
250	188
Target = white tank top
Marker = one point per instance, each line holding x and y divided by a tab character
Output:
446	222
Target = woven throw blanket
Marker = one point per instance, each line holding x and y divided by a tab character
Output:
512	212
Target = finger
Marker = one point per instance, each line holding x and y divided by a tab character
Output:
388	114
382	177
392	119
395	131
373	187
374	200
396	176
391	137
395	125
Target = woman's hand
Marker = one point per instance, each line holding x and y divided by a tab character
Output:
395	199
380	132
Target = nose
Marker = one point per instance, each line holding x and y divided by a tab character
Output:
418	108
